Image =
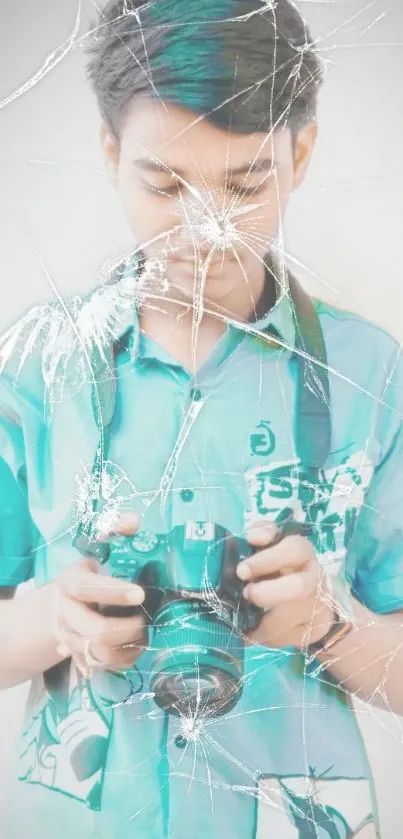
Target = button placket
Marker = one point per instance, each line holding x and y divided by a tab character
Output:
195	404
196	394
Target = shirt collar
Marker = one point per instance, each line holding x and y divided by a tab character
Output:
278	324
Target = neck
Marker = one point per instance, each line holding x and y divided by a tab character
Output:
249	301
175	323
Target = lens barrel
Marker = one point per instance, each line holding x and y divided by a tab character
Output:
198	657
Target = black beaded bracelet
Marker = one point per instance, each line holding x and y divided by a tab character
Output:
338	630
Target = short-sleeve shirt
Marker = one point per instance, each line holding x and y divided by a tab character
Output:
288	760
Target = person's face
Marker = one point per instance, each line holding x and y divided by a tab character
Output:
205	205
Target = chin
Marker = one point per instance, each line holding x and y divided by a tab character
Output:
210	294
217	284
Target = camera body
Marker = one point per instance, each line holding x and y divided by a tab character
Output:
194	604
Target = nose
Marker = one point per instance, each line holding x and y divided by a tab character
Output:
204	226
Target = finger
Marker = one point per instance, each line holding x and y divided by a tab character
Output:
282	619
114	658
72	647
82	582
289	555
260	534
274	632
270	593
290	625
107	658
121	658
128	524
78	618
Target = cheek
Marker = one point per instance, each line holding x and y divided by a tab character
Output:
261	225
143	222
146	215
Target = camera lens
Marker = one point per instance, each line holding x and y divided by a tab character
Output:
198	660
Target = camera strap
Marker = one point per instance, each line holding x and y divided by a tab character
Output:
312	429
312	441
313	419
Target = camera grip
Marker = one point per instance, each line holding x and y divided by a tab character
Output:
290	527
110	611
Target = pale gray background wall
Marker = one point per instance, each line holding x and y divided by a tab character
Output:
60	218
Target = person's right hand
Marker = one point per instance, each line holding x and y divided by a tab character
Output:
115	642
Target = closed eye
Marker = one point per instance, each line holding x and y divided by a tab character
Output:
243	190
166	190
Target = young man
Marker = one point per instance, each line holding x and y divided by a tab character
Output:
200	385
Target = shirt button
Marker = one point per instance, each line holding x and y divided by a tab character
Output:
187	495
195	394
181	742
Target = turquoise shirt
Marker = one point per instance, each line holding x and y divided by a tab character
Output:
288	761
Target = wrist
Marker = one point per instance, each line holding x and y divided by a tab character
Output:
338	630
28	632
319	626
340	615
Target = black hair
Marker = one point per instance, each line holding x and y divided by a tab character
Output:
247	65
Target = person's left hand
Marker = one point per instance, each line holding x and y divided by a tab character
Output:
285	579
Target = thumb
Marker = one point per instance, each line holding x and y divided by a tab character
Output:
128	524
89	563
260	534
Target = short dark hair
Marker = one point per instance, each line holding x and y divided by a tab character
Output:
247	65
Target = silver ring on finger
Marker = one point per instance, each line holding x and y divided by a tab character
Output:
90	660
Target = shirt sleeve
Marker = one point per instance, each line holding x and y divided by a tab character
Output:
18	534
374	563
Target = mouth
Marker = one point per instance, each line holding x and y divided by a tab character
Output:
214	266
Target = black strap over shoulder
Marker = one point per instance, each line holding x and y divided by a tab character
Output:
313	424
313	412
312	420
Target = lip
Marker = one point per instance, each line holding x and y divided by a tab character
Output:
191	263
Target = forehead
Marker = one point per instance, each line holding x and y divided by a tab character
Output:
178	137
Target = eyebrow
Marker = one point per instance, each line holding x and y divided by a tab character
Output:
147	165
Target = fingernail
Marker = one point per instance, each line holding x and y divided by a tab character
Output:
243	570
266	532
128	523
245	592
136	595
62	650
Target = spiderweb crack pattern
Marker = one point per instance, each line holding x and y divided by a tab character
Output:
68	332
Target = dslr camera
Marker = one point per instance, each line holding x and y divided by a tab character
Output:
193	606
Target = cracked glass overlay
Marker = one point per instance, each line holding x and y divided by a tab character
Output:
69	330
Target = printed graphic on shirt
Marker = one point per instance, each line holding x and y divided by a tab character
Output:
308	808
262	439
65	743
66	740
330	500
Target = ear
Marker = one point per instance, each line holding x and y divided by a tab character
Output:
110	148
304	146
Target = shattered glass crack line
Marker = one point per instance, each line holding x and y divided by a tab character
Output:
72	331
